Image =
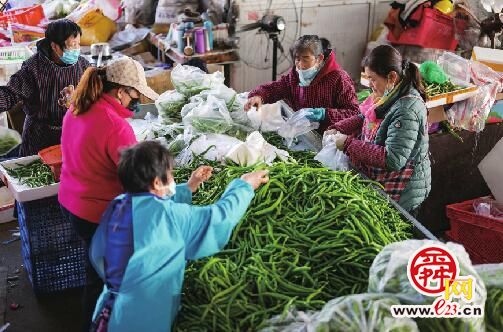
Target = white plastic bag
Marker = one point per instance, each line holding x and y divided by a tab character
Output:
354	313
255	150
130	35
330	156
9	139
214	146
296	125
169	104
267	117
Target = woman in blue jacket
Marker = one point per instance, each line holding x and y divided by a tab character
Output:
146	236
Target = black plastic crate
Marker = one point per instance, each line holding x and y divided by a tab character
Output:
53	255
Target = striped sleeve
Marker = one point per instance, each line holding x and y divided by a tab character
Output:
344	98
21	87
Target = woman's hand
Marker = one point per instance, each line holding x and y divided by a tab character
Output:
199	176
340	140
256	179
253	101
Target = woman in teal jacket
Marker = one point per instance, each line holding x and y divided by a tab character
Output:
388	140
147	234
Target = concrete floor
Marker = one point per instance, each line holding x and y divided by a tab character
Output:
55	313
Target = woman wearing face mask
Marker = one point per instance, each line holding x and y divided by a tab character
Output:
147	234
388	141
56	65
95	130
315	83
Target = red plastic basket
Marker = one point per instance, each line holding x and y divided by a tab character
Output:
53	157
31	16
435	30
482	236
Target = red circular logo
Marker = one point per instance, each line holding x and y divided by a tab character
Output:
430	268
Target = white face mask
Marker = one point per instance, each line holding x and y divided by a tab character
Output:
171	190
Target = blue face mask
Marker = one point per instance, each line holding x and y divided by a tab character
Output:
306	76
70	57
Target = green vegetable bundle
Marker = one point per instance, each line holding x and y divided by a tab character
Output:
354	313
434	89
7	143
35	174
494	309
309	236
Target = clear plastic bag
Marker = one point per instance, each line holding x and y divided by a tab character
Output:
295	126
471	114
210	116
169	104
9	140
488	207
354	313
456	68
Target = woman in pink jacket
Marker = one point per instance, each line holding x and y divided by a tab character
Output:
95	130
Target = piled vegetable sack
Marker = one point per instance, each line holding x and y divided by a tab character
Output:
309	236
7	143
388	274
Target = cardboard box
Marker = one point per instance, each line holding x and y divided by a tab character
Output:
436	114
137	48
491	170
490	57
159	80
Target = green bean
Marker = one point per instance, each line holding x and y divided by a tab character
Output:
34	174
291	248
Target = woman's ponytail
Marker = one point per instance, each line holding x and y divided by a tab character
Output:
412	77
89	90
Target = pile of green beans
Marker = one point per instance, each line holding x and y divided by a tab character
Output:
35	174
434	89
494	309
310	235
7	143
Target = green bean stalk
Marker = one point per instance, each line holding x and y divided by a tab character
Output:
35	174
310	235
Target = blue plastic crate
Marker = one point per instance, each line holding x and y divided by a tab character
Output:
53	255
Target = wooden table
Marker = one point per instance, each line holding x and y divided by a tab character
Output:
225	57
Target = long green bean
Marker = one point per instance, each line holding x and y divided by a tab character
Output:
310	235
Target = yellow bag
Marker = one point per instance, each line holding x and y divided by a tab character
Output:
96	27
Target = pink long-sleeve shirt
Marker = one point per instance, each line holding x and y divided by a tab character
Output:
91	145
